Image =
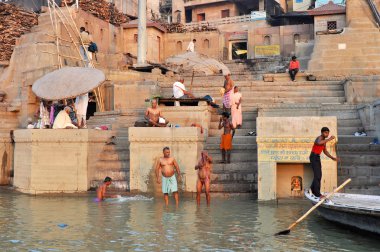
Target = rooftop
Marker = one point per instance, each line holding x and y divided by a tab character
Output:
328	9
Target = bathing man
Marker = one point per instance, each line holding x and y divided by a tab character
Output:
226	138
101	191
315	160
204	168
168	167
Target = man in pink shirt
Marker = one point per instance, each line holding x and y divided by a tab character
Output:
294	67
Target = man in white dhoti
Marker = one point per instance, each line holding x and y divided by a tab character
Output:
63	121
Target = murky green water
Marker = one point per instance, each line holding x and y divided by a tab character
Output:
31	224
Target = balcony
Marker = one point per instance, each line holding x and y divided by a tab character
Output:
217	22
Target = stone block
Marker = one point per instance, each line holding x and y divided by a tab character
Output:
53	161
288	140
146	145
184	116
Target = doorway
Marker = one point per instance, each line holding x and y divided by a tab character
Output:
238	50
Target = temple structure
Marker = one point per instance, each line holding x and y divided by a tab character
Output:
254	45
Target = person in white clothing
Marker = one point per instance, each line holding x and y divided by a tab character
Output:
179	90
191	46
81	104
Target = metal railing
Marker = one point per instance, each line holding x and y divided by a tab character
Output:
216	22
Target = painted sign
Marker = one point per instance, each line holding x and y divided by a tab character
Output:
267	51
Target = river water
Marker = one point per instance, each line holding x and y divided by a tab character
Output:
138	223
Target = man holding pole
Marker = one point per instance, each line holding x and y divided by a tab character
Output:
315	160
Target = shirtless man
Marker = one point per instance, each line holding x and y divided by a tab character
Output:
228	86
168	167
101	191
226	138
153	114
204	168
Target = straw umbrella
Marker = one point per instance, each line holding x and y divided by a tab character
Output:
68	82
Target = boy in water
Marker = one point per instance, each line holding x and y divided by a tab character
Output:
101	191
204	168
226	138
168	167
315	160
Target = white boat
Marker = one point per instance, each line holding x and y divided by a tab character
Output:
354	210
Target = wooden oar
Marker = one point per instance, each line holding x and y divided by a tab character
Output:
287	231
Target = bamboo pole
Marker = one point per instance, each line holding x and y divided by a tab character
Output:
62	55
98	95
71	37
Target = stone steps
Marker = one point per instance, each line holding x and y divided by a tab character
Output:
113	165
120	175
238	132
235	167
117	185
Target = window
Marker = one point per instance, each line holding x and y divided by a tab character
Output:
206	43
135	38
267	40
201	17
225	13
331	25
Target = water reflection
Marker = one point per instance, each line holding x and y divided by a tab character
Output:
31	224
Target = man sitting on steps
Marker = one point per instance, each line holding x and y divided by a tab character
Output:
179	90
294	67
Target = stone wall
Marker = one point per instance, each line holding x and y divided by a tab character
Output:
146	146
54	161
214	11
370	117
208	43
6	158
362	89
184	116
288	140
320	22
155	37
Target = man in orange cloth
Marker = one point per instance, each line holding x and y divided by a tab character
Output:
294	67
226	138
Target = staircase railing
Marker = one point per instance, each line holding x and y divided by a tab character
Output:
375	12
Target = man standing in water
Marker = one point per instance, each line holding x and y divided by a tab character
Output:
168	167
315	160
226	138
204	168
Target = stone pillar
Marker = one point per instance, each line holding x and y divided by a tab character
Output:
288	140
142	36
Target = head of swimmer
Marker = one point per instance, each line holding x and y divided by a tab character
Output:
107	181
166	152
325	132
154	103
